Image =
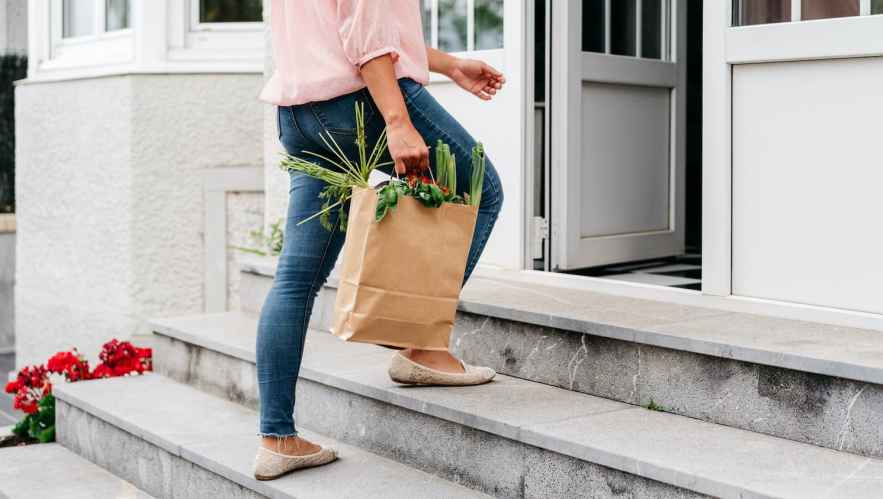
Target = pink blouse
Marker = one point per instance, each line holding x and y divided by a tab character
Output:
319	45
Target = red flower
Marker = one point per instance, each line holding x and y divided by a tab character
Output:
73	365
29	386
12	386
122	358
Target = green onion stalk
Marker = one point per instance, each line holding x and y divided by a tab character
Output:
478	167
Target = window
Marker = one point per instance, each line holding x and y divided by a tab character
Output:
78	18
117	15
750	12
488	24
230	11
93	17
826	9
636	29
462	25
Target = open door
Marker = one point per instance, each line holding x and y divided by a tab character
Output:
617	131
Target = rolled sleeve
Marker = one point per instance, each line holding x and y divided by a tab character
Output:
366	31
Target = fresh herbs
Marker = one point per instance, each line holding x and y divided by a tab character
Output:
435	192
346	174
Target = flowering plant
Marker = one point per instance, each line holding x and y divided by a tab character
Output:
32	386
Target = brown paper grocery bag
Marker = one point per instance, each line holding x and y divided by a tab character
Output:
400	278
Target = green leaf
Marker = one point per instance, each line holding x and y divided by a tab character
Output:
390	196
21	428
47	435
436	194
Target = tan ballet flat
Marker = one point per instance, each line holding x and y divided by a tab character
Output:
407	372
269	465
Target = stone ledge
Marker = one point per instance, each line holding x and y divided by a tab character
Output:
828	350
676	450
219	436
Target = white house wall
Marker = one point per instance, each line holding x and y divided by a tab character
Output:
13	26
806	182
110	205
73	183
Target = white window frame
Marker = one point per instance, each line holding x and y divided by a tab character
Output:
99	48
161	38
797	14
238	46
197	25
494	57
470	28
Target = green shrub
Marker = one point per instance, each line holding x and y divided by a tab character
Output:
12	67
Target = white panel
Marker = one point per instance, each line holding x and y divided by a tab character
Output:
806	182
625	159
819	39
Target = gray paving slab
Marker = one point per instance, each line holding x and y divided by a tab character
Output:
229	333
50	470
819	348
676	450
687	453
221	436
829	350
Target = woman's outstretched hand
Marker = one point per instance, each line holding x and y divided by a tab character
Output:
476	77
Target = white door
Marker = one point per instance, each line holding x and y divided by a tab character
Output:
490	30
794	90
617	113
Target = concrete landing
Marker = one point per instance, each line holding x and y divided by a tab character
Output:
50	470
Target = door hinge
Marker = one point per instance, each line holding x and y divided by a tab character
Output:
540	234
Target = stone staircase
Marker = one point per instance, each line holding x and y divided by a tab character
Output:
751	406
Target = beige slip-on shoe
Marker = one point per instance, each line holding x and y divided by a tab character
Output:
406	371
269	465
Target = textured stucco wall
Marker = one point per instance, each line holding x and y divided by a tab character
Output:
276	181
13	26
73	182
245	213
183	124
110	209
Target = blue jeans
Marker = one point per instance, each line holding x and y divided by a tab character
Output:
310	251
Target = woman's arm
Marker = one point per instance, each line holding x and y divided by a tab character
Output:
406	146
474	76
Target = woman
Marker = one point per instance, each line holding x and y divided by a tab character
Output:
330	54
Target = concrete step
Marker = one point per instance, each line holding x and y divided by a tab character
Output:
177	442
803	381
50	470
512	437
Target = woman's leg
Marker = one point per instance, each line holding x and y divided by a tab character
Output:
435	123
308	255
